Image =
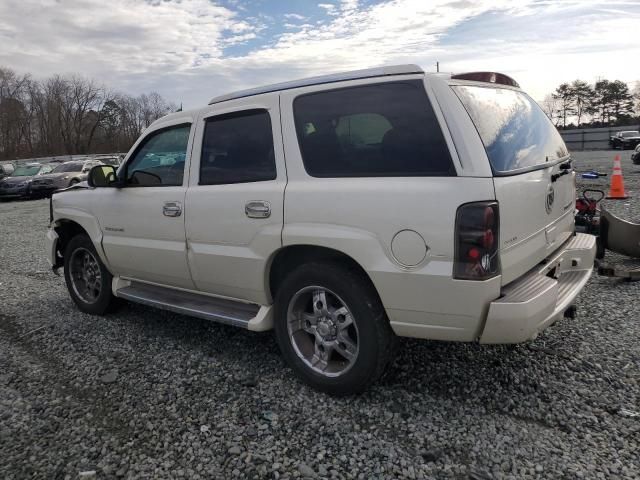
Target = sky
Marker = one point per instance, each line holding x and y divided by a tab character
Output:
192	50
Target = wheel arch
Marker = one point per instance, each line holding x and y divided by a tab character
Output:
67	228
290	256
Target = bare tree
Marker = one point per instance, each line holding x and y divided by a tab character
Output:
550	106
70	115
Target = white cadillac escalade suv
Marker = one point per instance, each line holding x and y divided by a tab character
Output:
340	211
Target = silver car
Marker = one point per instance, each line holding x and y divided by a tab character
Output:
63	176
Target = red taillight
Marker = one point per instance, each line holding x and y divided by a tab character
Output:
476	254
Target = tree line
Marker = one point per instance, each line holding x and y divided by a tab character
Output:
604	103
67	115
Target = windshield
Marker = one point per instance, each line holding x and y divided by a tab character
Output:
630	134
68	167
514	130
26	171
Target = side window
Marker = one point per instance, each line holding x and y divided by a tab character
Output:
160	160
386	129
45	169
237	148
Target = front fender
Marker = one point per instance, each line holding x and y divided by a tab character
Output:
75	206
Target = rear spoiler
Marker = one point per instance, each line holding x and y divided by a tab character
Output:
487	77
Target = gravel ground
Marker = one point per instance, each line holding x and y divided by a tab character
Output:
149	394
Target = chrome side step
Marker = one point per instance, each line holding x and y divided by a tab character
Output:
221	310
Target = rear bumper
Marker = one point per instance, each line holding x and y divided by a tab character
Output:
536	300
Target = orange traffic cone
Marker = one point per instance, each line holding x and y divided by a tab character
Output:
616	192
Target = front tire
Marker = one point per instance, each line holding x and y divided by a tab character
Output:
332	328
88	280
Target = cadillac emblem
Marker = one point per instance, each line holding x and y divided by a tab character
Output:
551	196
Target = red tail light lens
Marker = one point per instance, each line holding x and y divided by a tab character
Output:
476	236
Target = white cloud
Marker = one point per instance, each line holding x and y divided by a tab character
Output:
178	46
125	36
294	16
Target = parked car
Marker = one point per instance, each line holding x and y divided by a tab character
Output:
18	185
341	211
635	156
62	176
6	169
115	161
626	139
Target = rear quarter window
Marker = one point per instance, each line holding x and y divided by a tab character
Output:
516	133
385	129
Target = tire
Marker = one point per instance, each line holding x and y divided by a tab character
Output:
343	317
73	182
91	293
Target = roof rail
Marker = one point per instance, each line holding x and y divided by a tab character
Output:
336	77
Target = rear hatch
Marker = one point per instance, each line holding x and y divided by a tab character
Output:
532	174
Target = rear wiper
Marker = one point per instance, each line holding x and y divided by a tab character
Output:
556	176
566	165
565	168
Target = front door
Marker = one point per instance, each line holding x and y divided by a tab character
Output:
234	205
143	222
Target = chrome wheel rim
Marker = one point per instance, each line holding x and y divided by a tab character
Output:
86	278
322	331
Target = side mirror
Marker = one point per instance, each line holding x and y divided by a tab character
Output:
102	176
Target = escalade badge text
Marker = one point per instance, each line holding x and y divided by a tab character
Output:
551	194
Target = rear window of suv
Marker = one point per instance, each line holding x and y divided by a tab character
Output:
516	133
375	130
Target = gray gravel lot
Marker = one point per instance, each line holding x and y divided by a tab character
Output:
143	393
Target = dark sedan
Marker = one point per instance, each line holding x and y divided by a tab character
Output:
624	140
18	185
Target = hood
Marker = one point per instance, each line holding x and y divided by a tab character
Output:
16	180
55	176
78	186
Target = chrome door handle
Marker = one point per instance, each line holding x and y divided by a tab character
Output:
257	209
172	209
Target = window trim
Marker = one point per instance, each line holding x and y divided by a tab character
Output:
140	146
419	83
237	114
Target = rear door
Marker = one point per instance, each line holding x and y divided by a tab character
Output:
234	205
533	179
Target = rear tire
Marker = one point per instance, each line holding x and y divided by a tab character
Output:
88	280
332	328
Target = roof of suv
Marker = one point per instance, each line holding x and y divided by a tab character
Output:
383	71
335	77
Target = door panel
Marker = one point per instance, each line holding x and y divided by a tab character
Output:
139	240
234	224
143	222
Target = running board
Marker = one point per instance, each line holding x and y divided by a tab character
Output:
229	312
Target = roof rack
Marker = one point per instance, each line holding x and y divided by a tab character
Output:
336	77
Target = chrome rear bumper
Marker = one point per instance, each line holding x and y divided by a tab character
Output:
536	300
